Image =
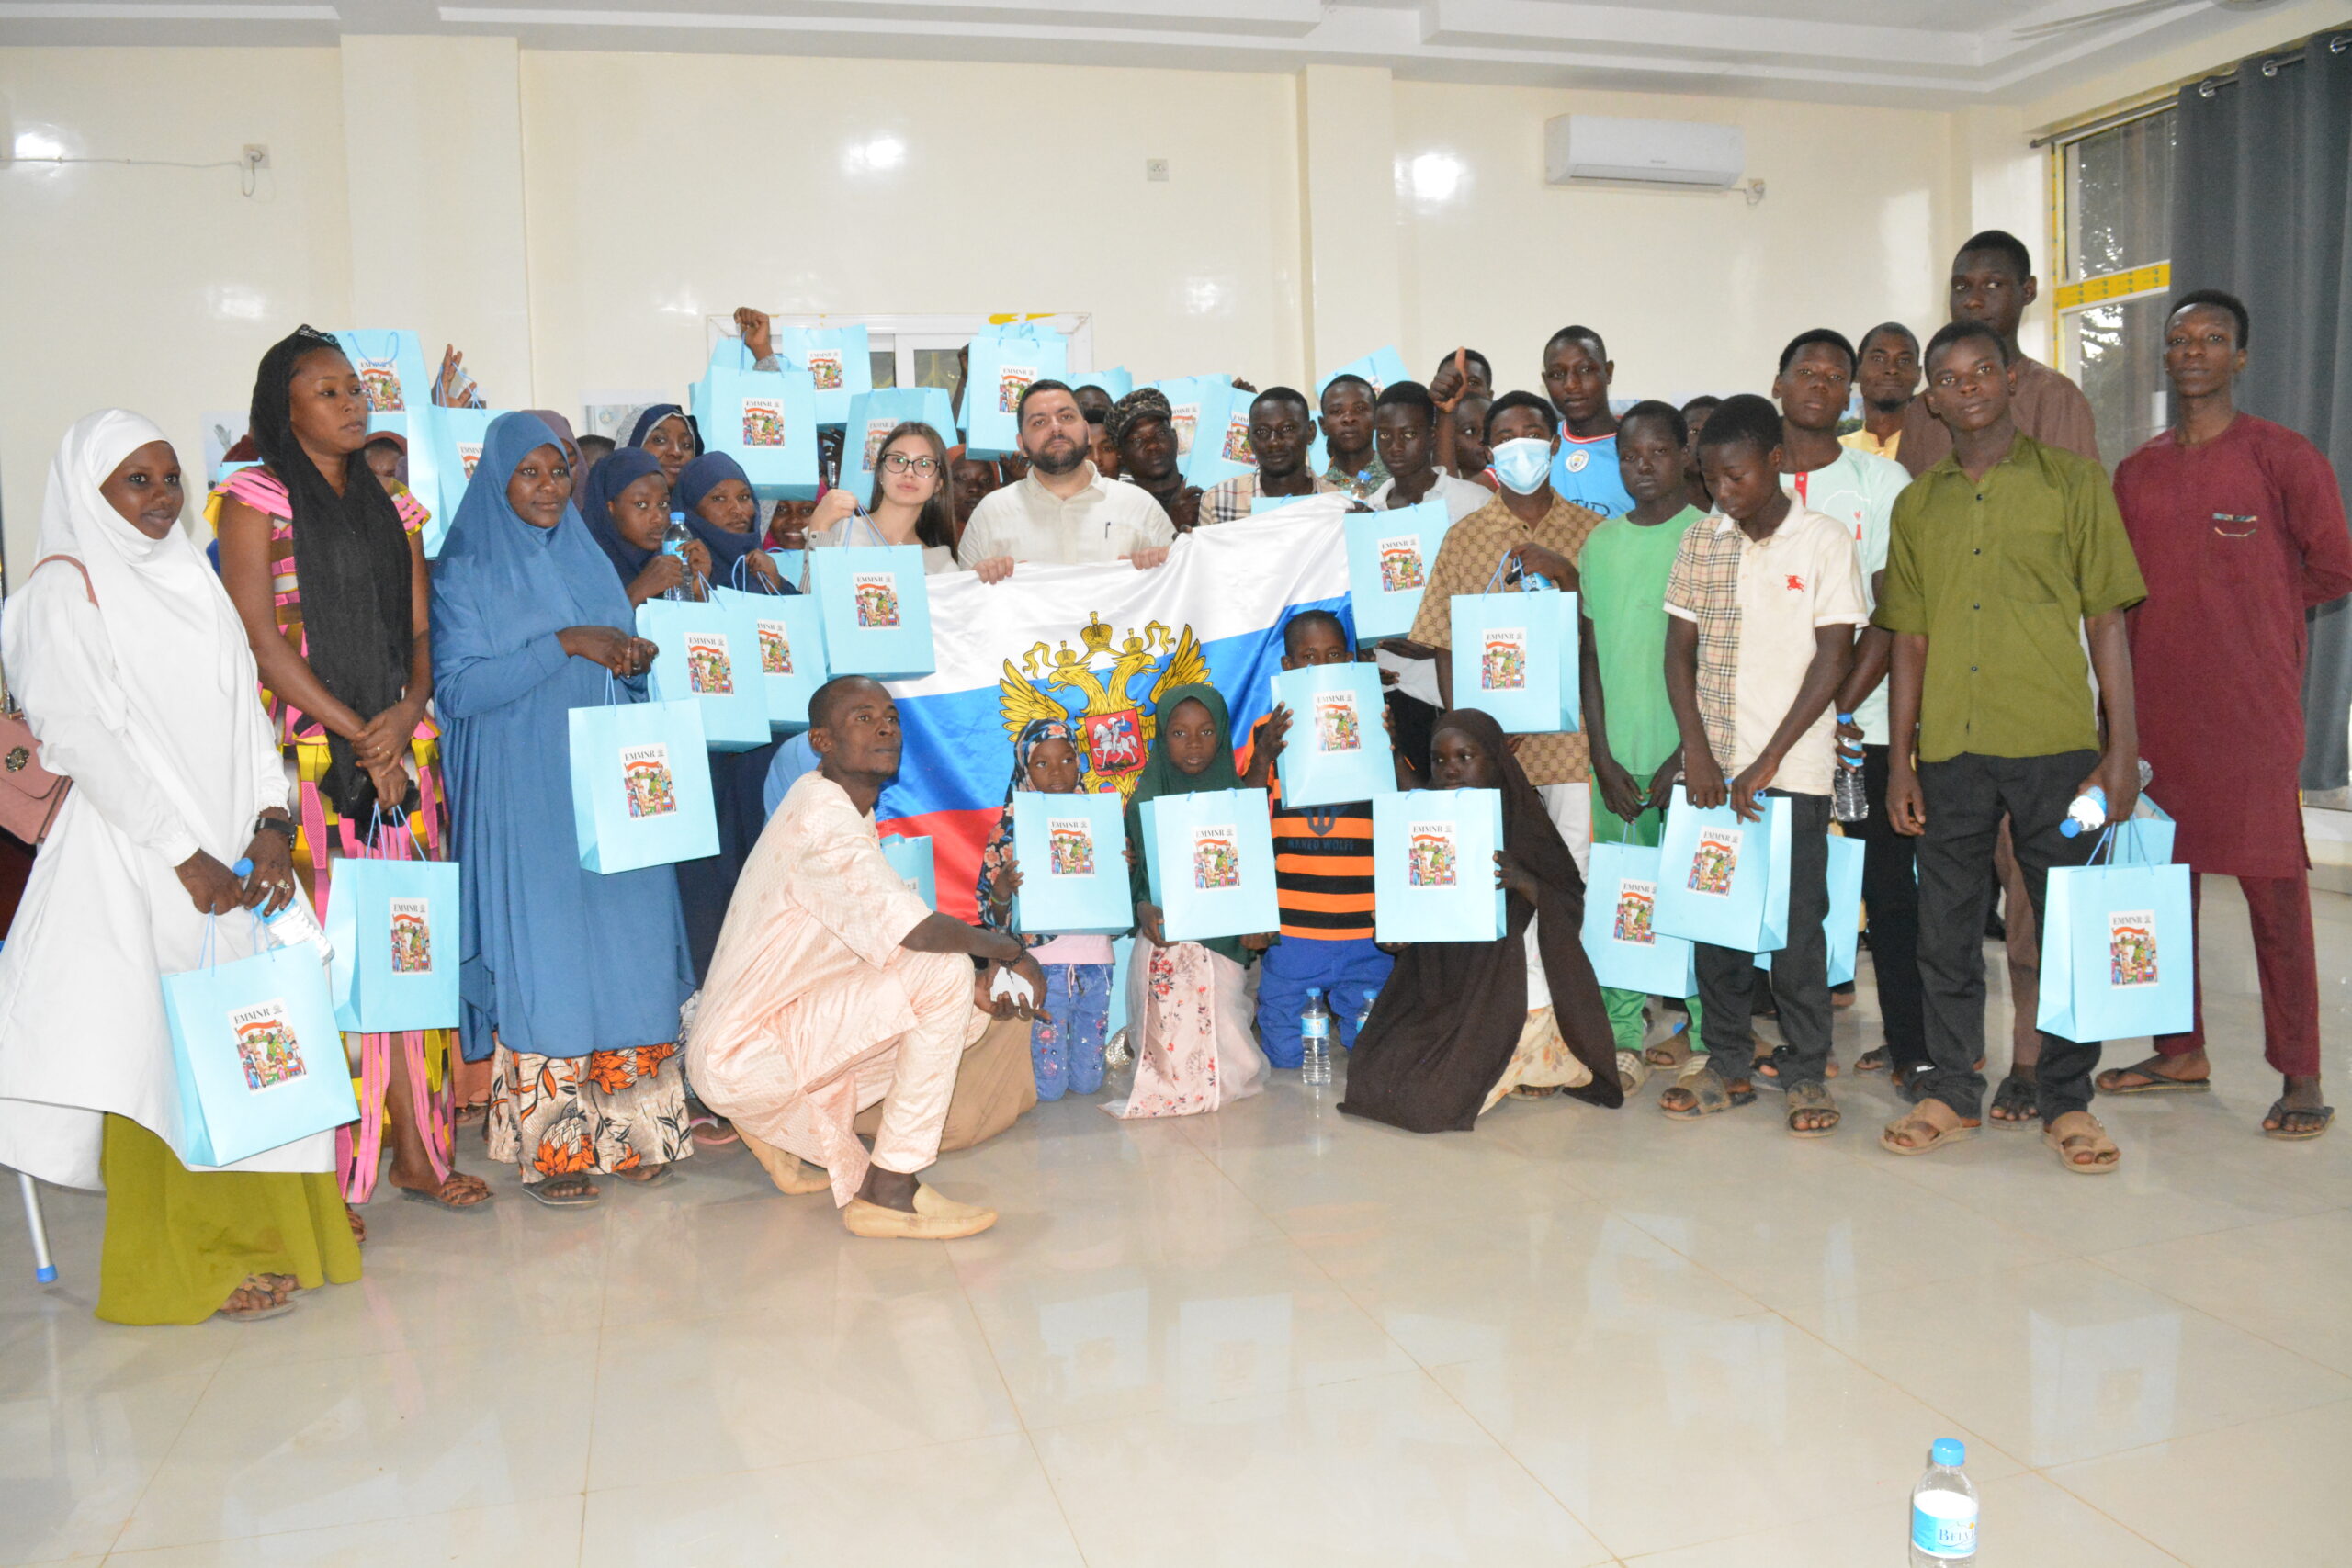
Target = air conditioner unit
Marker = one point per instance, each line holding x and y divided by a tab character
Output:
1587	149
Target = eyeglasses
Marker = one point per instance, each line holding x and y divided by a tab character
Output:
899	463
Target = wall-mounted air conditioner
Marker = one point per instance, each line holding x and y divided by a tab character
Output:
1587	149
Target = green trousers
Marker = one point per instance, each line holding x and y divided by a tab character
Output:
1625	1008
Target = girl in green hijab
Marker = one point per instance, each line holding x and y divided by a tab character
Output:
1186	1000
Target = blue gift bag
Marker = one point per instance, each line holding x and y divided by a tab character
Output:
910	856
1843	924
1722	880
1118	381
999	369
872	418
640	785
839	365
2146	837
1197	406
1621	934
788	631
1210	860
259	1058
1383	367
1433	866
876	610
1337	750
451	440
392	369
1071	850
1515	657
1220	434
394	927
2119	953
766	421
710	656
1390	556
421	430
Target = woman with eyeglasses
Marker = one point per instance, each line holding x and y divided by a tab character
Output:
914	501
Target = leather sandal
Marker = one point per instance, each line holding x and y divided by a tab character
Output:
2079	1131
1811	1099
1916	1122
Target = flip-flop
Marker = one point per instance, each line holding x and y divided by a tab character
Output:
2280	1110
575	1199
2157	1082
434	1199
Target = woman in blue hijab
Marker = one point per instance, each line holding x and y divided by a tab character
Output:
668	434
572	979
720	509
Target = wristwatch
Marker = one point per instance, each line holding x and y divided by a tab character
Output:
275	824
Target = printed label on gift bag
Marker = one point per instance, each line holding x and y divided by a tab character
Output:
1216	858
411	936
1636	901
266	1047
877	599
1716	860
1432	859
877	431
762	422
1072	846
775	649
1236	441
1400	565
710	672
382	383
1183	418
825	368
1011	381
2131	947
645	774
1503	666
1337	725
469	453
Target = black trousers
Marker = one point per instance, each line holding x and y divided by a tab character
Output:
1728	978
1966	797
1890	896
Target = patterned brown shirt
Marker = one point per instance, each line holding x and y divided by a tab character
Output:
1466	563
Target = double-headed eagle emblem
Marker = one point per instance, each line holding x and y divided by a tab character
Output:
1115	727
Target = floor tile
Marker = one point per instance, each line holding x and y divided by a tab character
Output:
1384	1470
2063	1362
545	1534
979	1503
2288	1282
75	1461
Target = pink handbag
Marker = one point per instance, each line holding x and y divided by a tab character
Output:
29	794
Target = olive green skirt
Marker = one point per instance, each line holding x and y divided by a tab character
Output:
179	1241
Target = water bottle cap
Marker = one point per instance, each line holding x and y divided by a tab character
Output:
244	868
1845	718
1313	990
1949	1452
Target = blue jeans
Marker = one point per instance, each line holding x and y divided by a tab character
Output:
1065	1042
1347	971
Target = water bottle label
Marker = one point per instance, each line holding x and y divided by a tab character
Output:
1937	1536
1315	1029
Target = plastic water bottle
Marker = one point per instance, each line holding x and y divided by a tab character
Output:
1315	1040
1848	800
1364	1013
293	923
2088	813
675	540
1943	1509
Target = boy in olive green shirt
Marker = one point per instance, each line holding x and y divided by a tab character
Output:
1621	576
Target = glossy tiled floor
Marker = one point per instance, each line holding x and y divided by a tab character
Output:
1273	1335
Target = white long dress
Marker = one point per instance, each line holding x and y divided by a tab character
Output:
147	700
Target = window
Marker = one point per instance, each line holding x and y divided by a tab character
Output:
920	351
2114	187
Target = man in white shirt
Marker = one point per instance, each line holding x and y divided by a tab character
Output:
1063	510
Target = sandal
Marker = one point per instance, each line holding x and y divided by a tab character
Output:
2275	1124
565	1193
642	1176
1704	1093
440	1197
1811	1100
2017	1103
1672	1050
1916	1125
1881	1060
256	1299
711	1131
468	1115
1632	1071
358	1225
1769	1067
2067	1144
2151	1081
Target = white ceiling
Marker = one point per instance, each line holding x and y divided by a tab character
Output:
1905	53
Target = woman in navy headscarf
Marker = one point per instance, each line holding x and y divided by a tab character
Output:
667	433
572	979
715	496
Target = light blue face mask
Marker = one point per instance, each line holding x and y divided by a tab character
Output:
1523	463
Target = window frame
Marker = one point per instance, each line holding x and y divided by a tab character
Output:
902	335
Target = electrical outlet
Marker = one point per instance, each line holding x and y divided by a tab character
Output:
1155	169
257	155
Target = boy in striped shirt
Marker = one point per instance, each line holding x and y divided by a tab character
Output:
1322	875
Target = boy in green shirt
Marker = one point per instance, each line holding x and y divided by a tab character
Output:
1622	572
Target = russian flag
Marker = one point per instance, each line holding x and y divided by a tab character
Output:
1096	644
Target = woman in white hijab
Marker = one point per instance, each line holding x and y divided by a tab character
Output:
140	684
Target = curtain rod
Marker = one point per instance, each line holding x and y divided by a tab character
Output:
2206	87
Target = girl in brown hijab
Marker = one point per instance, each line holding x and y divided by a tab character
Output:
1460	1024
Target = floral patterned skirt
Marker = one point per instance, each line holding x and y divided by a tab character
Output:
606	1112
